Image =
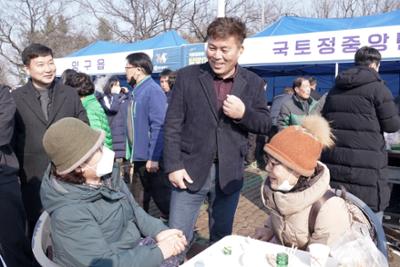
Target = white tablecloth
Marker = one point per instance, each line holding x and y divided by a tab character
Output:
247	252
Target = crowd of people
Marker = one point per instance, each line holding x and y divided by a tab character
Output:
78	147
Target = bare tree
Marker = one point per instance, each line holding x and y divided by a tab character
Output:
324	8
103	30
3	75
256	14
57	34
248	11
196	18
346	8
370	7
131	20
266	12
352	8
35	21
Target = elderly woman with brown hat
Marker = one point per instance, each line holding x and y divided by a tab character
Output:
94	219
296	180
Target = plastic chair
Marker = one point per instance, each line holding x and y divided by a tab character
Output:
41	241
373	219
2	263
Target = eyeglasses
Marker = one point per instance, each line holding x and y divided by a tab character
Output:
129	67
273	161
86	163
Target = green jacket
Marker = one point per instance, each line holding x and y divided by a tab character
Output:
99	226
293	110
97	117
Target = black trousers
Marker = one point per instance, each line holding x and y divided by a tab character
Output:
32	203
155	185
252	147
125	169
15	246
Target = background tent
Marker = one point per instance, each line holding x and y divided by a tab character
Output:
280	75
291	47
103	57
167	39
295	25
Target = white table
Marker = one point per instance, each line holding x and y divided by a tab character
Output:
247	252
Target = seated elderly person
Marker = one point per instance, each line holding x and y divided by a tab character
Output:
296	180
94	219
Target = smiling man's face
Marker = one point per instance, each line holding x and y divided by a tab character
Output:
42	71
223	55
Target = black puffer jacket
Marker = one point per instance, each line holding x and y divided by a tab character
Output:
360	108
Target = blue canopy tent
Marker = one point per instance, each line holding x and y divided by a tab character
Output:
281	75
294	25
104	57
167	39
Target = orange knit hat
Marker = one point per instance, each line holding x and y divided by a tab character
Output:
299	147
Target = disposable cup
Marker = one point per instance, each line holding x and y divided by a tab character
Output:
319	254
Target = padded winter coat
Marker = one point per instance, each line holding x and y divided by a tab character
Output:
289	213
99	226
360	108
97	117
293	110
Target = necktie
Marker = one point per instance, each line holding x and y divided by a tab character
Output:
44	103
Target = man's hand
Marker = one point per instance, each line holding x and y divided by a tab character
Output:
233	107
178	177
152	166
168	233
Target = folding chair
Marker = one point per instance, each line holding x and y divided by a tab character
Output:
41	241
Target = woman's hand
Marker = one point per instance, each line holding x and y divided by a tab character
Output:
263	234
172	245
167	233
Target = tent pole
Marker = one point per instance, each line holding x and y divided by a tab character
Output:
273	90
221	8
336	69
263	14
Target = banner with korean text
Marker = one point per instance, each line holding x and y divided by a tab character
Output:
323	47
113	63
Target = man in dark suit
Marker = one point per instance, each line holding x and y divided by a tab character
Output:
213	108
40	102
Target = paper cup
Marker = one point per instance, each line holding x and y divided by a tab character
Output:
319	254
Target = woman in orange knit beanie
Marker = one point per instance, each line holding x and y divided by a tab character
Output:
296	179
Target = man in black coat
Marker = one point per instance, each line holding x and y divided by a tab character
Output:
40	102
213	108
360	108
14	245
